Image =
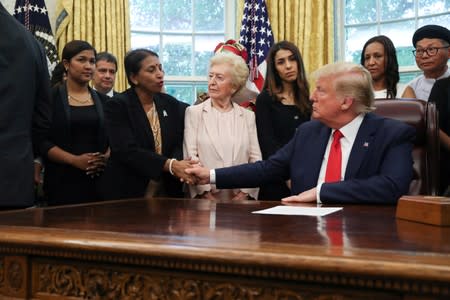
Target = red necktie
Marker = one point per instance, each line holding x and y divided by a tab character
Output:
334	164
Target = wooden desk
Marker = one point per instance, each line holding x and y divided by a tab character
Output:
196	249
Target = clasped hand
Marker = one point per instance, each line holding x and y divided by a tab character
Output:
178	169
198	174
190	171
201	175
92	163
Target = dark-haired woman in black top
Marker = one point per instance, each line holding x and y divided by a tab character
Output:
76	149
281	107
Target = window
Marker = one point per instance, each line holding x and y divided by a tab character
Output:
359	20
184	33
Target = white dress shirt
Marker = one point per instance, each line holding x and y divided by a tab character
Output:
349	132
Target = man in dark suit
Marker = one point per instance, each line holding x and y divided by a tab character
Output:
105	73
369	161
24	110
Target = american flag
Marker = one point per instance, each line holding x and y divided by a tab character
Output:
33	15
256	36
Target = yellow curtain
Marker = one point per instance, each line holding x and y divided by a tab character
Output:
308	24
103	23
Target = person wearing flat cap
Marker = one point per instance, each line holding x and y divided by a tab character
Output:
432	43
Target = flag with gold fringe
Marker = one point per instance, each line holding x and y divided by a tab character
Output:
256	35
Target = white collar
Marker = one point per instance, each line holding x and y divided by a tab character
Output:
109	94
350	130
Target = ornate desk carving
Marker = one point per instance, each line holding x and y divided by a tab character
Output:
192	249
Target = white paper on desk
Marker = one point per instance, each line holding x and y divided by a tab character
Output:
298	210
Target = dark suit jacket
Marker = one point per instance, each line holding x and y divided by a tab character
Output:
60	134
379	168
440	94
133	159
24	109
114	93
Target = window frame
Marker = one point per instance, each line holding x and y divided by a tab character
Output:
229	33
340	27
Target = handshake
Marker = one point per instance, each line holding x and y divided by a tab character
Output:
188	170
191	171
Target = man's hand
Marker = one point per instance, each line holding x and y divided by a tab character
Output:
179	167
201	174
306	196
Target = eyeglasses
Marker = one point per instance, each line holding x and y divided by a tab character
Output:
432	51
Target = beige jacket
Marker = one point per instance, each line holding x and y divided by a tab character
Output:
201	141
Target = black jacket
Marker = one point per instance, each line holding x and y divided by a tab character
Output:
133	160
25	109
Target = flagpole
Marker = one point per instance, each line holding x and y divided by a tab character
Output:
27	15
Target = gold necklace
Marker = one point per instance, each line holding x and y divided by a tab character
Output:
81	101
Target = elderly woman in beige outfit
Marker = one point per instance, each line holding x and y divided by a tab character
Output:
219	133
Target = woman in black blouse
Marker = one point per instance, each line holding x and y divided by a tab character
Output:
76	149
281	107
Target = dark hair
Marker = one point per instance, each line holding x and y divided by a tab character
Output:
133	61
74	47
106	56
273	83
57	75
391	75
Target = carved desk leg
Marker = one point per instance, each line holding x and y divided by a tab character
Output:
14	277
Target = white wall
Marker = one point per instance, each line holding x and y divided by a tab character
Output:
51	7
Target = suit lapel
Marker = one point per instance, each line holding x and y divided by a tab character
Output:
315	158
211	128
63	97
164	121
138	114
361	145
64	124
240	131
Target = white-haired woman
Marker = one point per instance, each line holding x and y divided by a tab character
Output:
219	133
